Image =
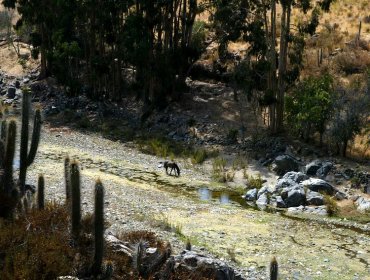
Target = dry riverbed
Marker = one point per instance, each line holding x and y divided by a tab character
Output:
139	195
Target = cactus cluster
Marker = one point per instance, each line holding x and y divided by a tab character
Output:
11	194
73	201
27	157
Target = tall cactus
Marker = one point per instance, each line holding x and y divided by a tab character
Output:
27	157
67	178
98	227
76	199
273	269
8	192
41	192
3	130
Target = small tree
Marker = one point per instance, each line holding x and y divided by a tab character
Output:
351	116
309	107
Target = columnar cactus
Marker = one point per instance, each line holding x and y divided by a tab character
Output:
9	194
98	227
67	177
76	199
27	157
9	157
3	130
273	269
41	192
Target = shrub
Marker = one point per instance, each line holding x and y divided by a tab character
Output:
198	156
255	182
331	205
352	62
232	136
309	107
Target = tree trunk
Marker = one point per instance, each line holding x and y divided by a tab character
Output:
283	57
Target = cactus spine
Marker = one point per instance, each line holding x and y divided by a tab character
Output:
76	199
26	158
273	269
67	177
98	227
41	192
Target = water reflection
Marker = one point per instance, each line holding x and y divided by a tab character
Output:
206	194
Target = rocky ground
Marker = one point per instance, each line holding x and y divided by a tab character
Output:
139	195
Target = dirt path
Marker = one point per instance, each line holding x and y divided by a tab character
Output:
138	193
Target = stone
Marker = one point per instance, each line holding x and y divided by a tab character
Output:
284	183
117	245
194	263
264	189
324	170
284	163
295	176
367	189
11	92
280	202
340	195
312	167
295	197
363	204
349	173
251	195
314	198
318	185
17	84
262	201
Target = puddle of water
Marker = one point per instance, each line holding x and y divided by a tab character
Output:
206	194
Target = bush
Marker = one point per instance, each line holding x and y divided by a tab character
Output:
331	205
255	182
232	136
198	156
352	62
309	107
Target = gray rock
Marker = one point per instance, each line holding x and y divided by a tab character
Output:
284	183
349	173
363	204
295	197
194	262
318	185
324	170
367	189
67	278
117	245
280	202
251	195
262	201
284	163
11	92
295	176
340	195
264	189
314	198
312	167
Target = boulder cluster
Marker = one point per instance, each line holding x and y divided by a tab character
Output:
296	190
